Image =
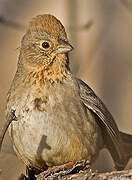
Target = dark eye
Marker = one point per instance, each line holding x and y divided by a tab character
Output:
45	45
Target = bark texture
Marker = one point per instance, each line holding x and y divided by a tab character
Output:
84	175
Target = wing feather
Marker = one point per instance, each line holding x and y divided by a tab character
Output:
105	120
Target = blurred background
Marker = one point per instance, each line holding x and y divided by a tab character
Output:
101	33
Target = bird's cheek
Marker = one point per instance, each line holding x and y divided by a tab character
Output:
53	55
60	56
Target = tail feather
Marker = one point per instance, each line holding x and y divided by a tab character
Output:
126	149
127	144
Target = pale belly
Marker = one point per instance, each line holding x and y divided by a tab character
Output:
55	133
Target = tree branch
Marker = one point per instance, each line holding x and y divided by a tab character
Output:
84	175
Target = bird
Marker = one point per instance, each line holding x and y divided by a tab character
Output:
60	119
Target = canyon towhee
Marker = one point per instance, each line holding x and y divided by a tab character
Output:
59	117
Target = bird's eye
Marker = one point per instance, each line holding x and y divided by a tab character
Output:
45	45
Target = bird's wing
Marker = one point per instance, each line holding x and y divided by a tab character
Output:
105	120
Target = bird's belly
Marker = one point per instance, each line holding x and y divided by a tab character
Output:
55	136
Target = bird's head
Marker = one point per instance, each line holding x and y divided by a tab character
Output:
44	41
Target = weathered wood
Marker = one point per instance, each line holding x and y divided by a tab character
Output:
115	175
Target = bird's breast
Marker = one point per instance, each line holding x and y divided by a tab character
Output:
52	127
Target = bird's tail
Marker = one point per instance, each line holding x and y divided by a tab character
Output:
125	150
127	144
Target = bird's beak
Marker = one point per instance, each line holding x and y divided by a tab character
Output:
63	47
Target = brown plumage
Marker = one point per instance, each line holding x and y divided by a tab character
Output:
60	119
48	24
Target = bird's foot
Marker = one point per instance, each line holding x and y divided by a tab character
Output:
68	168
22	177
30	174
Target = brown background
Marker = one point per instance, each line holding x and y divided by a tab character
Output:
101	33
